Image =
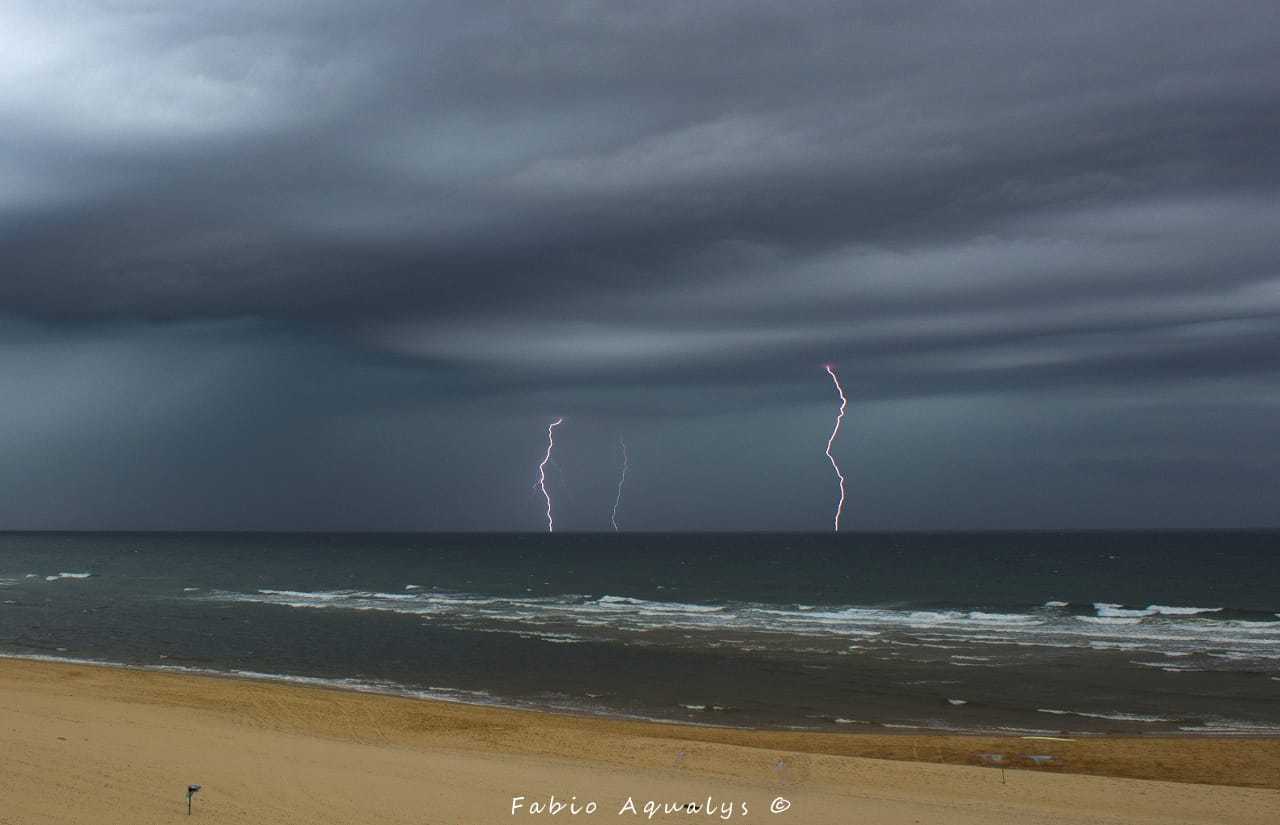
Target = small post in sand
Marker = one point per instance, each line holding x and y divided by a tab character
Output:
191	791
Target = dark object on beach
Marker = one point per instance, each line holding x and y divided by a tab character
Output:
191	791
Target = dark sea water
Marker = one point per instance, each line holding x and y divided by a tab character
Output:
1083	632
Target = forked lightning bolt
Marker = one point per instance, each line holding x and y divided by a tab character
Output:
621	481
542	471
831	440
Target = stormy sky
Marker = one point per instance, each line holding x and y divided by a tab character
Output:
330	265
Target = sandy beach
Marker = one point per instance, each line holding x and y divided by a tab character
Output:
99	744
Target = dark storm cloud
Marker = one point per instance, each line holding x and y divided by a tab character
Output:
629	210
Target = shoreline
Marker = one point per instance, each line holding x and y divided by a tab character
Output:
442	695
1247	760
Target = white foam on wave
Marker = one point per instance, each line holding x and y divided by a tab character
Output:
1116	611
1165	610
355	684
935	618
1003	618
45	657
1025	731
820	629
54	578
626	602
1115	717
443	694
1108	620
1234	726
1171	668
1109	610
302	594
620	600
1056	604
1100	644
555	638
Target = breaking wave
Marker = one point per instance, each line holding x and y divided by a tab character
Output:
1235	643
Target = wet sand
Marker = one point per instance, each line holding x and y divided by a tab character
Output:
113	745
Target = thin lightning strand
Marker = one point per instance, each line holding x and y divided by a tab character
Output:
542	472
621	481
831	440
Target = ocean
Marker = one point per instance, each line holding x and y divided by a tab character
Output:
1035	632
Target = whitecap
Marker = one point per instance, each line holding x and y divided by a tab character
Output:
1115	611
299	594
815	628
1228	726
1115	717
1165	610
1170	668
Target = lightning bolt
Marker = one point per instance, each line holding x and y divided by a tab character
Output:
542	471
621	481
831	440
